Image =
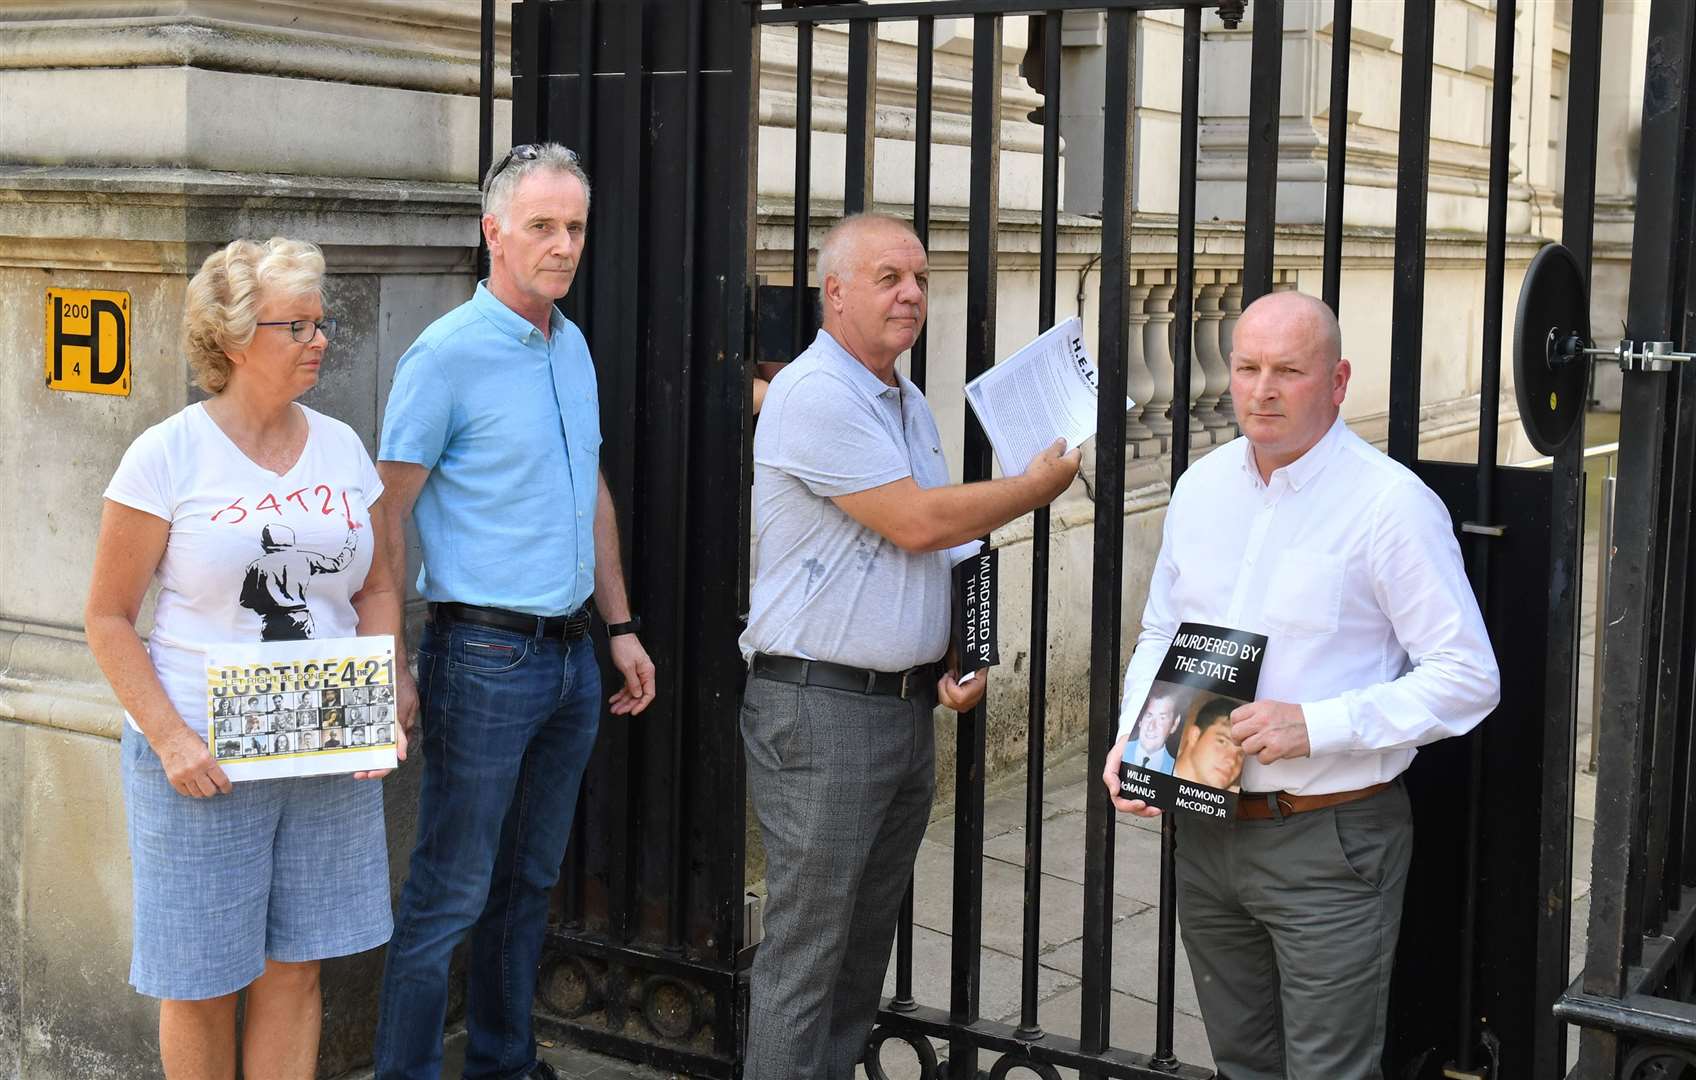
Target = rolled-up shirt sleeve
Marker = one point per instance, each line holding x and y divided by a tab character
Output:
1452	681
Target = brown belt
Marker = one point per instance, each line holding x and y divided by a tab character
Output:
1268	805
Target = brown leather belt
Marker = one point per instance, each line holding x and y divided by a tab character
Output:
1272	805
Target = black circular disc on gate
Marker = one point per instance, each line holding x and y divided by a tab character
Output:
1551	373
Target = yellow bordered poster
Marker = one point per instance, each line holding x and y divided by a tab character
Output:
301	708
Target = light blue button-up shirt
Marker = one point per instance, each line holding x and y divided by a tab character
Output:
508	423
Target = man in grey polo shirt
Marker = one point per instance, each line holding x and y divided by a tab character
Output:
854	519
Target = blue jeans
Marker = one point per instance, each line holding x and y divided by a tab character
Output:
508	723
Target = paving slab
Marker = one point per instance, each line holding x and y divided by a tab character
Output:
1136	854
1001	984
1131	1027
1062	908
1136	954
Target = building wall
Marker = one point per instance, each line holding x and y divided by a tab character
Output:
138	135
135	138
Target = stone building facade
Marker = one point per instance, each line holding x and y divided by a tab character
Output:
138	135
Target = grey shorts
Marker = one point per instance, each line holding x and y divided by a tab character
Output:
289	870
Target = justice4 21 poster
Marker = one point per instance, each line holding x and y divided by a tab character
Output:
1180	755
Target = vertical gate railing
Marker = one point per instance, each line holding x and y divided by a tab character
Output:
1456	1005
1636	999
647	948
1026	1044
650	938
960	1025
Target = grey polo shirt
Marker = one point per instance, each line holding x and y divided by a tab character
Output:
826	587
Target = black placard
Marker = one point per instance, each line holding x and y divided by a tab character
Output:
974	611
1180	755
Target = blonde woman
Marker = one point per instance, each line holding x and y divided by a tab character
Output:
259	519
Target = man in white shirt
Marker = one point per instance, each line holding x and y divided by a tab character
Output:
1305	533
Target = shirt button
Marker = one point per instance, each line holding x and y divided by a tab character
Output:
579	566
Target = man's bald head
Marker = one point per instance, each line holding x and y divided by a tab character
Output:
838	250
873	279
1303	321
1288	376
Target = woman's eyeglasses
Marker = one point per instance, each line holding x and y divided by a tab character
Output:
304	330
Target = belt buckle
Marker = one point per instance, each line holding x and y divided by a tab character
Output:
905	675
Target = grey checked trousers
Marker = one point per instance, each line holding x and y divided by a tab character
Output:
841	783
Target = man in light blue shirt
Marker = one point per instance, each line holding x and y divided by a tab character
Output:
492	439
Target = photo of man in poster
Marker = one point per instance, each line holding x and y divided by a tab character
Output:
1206	752
1150	746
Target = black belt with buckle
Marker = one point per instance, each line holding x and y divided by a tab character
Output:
906	685
565	627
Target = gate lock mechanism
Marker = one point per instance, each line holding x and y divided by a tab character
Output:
1552	343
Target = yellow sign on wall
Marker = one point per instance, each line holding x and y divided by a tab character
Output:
88	341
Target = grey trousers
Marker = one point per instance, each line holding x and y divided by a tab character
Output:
841	783
1291	932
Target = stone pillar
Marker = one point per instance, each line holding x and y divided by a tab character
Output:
1198	377
137	139
1157	351
1208	315
1139	380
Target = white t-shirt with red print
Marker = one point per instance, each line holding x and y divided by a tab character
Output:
252	556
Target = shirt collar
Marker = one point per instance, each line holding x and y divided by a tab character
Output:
1298	472
857	373
508	321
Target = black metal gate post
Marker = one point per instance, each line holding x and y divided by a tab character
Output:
1566	549
1486	912
657	97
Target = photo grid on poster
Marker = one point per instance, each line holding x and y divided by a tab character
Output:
352	706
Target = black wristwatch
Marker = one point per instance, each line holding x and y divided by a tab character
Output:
634	626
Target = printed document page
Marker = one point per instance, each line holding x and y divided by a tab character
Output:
1043	392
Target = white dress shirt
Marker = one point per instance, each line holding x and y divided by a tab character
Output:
1349	565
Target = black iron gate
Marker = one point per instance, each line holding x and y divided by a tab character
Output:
648	936
649	945
1636	999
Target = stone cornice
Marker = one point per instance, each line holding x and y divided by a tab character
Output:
168	220
348	51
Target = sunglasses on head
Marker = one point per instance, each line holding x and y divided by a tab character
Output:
521	152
